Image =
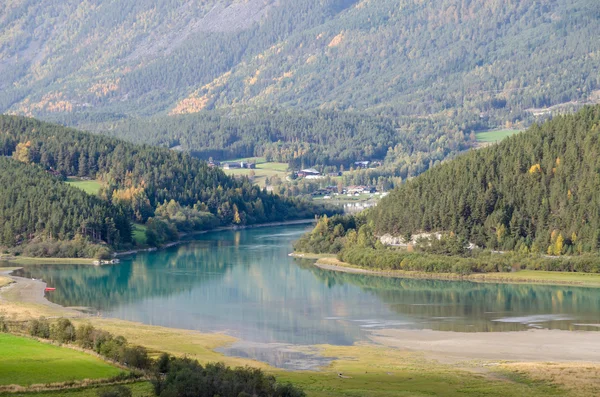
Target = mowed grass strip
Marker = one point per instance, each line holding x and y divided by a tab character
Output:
26	362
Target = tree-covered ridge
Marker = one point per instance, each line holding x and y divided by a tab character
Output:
37	206
143	177
394	57
302	139
534	192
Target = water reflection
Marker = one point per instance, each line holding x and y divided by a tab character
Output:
244	283
467	307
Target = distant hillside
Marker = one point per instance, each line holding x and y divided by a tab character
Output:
140	58
168	191
330	139
536	191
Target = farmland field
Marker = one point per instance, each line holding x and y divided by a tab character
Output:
494	135
90	187
262	171
26	362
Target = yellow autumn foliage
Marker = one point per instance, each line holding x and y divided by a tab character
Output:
536	168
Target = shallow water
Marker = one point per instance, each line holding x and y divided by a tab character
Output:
244	283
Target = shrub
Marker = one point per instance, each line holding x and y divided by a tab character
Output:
62	331
136	357
188	378
39	328
85	336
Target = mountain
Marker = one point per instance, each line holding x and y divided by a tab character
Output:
168	191
498	60
536	191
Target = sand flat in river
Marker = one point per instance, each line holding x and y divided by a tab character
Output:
538	345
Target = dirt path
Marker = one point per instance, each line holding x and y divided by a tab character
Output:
525	346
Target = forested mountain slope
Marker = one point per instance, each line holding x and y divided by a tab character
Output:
140	58
302	139
537	191
169	191
37	204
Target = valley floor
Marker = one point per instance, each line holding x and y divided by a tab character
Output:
396	363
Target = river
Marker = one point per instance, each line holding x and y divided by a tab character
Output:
245	284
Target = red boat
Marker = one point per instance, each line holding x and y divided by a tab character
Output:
50	289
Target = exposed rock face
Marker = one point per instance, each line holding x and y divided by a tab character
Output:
399	241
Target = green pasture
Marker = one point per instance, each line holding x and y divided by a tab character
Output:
25	362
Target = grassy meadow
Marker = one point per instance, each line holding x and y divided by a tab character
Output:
262	171
26	362
139	234
369	370
88	186
493	136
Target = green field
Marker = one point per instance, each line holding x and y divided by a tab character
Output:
262	171
494	135
27	362
139	234
90	187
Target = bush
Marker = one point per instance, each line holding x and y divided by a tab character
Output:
85	336
136	357
63	331
39	328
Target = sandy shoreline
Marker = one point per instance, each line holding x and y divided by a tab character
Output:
25	298
539	345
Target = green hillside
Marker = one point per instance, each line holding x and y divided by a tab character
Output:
139	58
169	191
535	191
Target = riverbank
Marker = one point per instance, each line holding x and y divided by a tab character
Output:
395	363
27	261
183	236
592	280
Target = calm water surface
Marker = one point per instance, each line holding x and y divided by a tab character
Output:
244	283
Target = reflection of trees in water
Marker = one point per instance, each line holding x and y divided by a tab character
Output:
248	286
156	274
469	306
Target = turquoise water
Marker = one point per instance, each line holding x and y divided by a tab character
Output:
243	283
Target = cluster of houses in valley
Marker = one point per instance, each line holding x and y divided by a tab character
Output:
350	191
